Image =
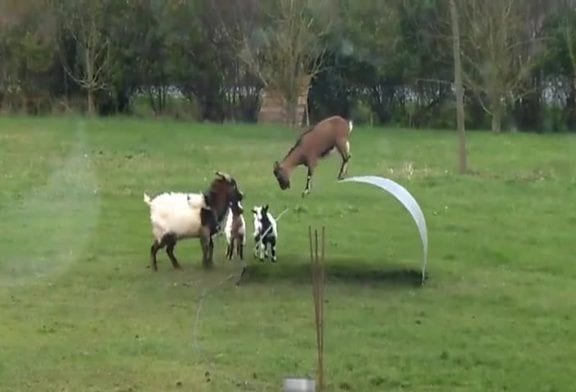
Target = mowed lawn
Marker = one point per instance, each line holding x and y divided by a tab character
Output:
80	309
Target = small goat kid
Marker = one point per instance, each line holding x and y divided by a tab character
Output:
176	216
265	233
235	231
313	145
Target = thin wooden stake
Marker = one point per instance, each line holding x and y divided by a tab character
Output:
318	293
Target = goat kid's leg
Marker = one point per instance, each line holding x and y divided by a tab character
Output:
230	249
256	238
273	249
170	244
261	249
240	248
257	246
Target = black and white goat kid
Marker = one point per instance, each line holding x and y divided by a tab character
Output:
265	233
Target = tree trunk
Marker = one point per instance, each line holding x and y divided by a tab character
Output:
272	108
571	105
462	154
296	105
291	112
91	106
497	117
276	108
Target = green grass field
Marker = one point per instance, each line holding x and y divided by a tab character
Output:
80	309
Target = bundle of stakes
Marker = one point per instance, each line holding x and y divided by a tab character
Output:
318	293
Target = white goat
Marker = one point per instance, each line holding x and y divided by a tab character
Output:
235	231
176	216
265	233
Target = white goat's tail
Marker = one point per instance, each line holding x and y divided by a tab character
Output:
350	126
146	199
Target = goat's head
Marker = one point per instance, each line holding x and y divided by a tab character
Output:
226	187
256	211
260	212
281	176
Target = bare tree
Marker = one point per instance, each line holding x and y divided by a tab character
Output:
568	33
462	155
82	21
498	52
285	51
26	54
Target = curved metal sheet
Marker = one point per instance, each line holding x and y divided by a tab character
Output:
407	200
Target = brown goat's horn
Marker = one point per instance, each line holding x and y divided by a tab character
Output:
224	175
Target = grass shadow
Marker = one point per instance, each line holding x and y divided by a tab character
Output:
296	270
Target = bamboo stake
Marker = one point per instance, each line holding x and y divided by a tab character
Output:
318	294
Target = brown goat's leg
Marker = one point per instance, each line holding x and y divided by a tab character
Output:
343	147
308	187
205	240
211	248
205	251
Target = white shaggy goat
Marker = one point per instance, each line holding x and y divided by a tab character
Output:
265	233
235	231
176	216
313	145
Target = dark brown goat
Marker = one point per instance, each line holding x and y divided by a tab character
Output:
313	145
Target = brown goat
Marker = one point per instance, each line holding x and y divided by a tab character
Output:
313	145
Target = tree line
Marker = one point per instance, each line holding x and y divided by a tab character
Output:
376	61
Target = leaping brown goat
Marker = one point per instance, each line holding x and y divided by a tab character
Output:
313	145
